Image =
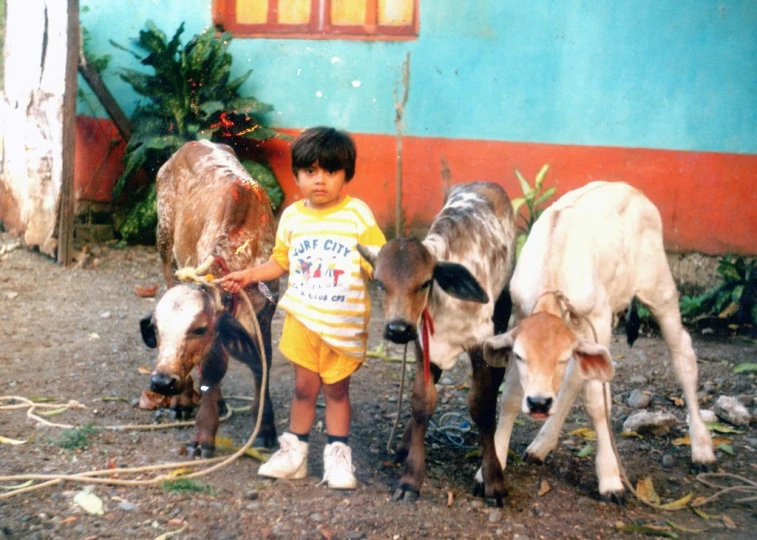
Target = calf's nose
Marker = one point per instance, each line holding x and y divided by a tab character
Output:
539	405
165	384
400	332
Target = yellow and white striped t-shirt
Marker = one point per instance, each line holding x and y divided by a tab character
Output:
327	276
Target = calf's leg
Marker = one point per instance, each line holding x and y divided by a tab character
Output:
422	406
482	401
267	435
206	424
661	297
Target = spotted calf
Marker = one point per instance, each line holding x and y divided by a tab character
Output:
452	288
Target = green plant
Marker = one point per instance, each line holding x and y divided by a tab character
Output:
533	197
734	299
71	439
182	485
190	95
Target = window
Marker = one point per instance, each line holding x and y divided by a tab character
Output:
318	19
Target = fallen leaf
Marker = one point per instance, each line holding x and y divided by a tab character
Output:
90	502
69	519
678	504
327	534
628	434
146	292
701	513
586	451
649	530
682	441
17	486
729	311
175	522
178	472
678	402
52	412
741	368
544	488
94	335
684	529
169	534
253	453
717	441
450	499
645	491
728	522
727	448
584	433
144	370
150	400
722	428
112	464
14	442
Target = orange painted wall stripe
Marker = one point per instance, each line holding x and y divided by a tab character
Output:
707	200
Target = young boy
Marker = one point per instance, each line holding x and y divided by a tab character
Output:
326	302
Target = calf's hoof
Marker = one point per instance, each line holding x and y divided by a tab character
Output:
617	497
702	467
479	490
405	494
265	440
203	451
400	455
532	458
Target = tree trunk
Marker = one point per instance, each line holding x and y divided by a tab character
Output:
31	118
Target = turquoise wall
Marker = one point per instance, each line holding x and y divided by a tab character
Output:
666	74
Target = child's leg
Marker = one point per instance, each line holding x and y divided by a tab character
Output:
337	456
338	408
307	384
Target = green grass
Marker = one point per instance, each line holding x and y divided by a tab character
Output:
182	485
73	439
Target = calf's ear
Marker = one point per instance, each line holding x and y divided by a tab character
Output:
369	253
498	349
594	361
147	328
457	281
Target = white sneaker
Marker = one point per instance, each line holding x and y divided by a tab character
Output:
337	466
290	461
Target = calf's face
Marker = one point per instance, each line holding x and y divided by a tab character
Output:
405	270
182	327
541	346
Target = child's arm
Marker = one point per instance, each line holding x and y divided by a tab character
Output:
234	282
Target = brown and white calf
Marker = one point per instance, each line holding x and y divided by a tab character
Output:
213	215
594	249
459	273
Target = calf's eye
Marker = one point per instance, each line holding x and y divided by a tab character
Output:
200	331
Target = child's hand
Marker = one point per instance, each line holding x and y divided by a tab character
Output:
234	282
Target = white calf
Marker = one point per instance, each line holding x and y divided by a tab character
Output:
596	248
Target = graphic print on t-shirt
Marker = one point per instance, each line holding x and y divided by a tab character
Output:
319	265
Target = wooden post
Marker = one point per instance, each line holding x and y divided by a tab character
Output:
399	107
66	216
97	85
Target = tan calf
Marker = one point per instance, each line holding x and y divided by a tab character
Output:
211	213
586	257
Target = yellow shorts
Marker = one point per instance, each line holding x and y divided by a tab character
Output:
305	348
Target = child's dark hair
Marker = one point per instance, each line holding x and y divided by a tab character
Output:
332	149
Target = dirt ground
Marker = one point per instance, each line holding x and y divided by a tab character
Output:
72	334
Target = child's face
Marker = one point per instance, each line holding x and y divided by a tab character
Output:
322	189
